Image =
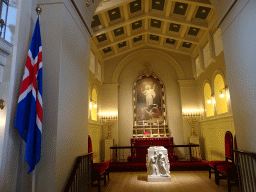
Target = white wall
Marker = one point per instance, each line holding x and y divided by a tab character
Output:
239	47
162	66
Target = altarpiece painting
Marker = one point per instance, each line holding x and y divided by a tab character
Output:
149	99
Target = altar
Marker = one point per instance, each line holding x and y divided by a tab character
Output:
139	154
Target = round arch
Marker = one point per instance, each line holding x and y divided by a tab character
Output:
145	52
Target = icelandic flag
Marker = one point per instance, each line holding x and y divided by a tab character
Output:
29	115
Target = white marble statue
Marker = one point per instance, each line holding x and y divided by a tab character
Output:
158	164
153	167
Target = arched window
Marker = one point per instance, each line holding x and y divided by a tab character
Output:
94	106
220	95
208	102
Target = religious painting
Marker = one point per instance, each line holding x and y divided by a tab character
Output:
149	99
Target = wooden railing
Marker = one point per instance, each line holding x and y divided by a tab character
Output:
119	156
246	167
80	177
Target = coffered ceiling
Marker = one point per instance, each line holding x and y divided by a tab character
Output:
175	25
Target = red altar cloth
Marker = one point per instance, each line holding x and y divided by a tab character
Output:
139	154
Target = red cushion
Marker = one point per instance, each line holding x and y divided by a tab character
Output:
100	169
213	163
224	167
103	164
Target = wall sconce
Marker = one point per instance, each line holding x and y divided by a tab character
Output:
2	104
209	101
95	105
222	91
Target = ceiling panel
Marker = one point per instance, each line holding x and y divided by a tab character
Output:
119	31
154	37
193	31
137	24
135	6
123	44
180	8
107	50
174	27
95	21
186	44
136	39
158	4
170	41
202	12
156	23
101	37
114	14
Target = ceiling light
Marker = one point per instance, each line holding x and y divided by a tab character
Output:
93	20
100	36
118	30
158	2
194	29
181	6
175	26
113	12
136	4
137	23
155	22
203	11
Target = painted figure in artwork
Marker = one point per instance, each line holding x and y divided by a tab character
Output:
150	94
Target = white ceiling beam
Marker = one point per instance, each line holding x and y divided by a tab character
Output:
146	6
176	37
111	38
104	19
115	48
162	41
146	23
195	3
164	28
126	14
178	44
130	43
168	8
168	48
191	12
183	31
181	21
128	30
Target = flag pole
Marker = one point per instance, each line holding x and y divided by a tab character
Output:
38	11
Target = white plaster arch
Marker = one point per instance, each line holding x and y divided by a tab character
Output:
164	56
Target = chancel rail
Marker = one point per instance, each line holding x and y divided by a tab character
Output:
116	148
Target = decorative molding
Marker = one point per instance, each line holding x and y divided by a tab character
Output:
187	83
145	52
5	51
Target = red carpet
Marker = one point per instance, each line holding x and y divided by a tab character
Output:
177	165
